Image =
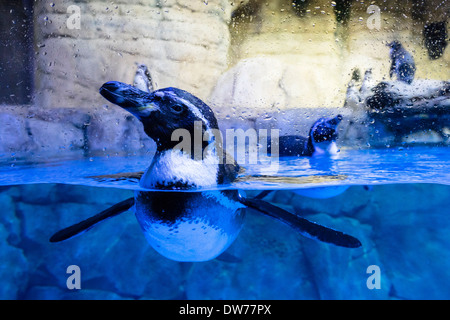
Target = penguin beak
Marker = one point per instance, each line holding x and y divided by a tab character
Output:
390	44
135	101
335	121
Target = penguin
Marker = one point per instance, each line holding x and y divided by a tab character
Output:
142	79
435	38
180	220
320	141
402	63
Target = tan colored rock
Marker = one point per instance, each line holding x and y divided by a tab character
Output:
184	44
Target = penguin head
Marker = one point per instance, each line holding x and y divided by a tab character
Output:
323	133
394	45
162	111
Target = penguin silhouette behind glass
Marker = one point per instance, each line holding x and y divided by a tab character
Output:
402	63
179	220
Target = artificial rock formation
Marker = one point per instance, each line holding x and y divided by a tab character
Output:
184	44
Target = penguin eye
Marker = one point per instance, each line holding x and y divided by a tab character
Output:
176	108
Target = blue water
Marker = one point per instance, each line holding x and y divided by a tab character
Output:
396	204
349	167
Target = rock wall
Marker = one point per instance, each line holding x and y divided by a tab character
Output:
284	61
184	43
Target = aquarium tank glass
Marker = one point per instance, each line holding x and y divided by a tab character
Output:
224	150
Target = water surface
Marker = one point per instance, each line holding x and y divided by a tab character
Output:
349	167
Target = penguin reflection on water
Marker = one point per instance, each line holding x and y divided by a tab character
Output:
179	222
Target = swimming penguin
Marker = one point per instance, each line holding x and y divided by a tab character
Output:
320	141
402	63
180	221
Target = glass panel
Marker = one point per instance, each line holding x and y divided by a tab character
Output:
285	149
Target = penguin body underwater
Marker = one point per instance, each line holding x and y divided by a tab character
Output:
180	221
402	63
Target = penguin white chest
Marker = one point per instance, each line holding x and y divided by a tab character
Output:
326	149
189	226
174	167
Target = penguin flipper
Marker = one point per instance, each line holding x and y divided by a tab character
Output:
87	224
305	227
228	257
262	194
392	70
143	80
